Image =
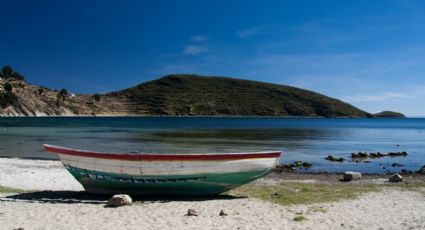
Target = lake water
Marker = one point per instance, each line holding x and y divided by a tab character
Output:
298	138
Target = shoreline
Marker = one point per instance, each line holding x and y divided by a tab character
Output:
274	173
25	174
51	198
202	116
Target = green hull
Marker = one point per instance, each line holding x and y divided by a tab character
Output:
181	185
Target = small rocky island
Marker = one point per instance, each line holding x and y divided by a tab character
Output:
389	114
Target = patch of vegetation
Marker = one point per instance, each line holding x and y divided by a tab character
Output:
185	94
304	193
8	87
7	99
4	189
8	73
96	97
411	187
414	187
299	218
62	94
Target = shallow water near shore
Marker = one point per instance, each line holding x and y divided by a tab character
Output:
306	139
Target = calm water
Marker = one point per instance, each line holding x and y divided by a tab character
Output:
299	139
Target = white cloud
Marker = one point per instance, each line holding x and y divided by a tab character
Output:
199	38
248	32
377	97
194	49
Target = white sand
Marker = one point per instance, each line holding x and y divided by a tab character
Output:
36	175
390	209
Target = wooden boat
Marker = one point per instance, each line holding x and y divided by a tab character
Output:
164	174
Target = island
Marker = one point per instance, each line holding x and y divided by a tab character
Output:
389	114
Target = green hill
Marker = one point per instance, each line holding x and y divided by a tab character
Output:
184	94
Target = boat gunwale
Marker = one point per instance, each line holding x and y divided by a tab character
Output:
163	157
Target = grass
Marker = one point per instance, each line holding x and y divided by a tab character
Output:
407	186
186	94
299	218
414	187
303	193
4	189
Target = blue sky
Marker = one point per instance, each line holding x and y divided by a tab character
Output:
368	53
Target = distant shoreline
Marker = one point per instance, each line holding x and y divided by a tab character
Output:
201	116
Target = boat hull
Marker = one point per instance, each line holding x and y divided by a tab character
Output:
182	185
161	174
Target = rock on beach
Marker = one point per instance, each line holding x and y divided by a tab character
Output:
396	178
349	176
119	200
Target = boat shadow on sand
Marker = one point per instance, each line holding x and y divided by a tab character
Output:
81	197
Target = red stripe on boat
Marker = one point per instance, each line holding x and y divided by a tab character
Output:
160	157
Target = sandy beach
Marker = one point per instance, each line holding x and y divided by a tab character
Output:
57	202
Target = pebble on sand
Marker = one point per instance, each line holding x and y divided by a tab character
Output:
192	212
119	200
222	213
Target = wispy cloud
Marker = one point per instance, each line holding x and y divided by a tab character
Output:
194	49
377	97
248	32
198	45
199	38
308	27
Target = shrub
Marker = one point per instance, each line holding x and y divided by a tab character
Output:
40	91
62	94
7	99
8	87
8	73
96	97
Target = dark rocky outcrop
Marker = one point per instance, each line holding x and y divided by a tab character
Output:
332	158
280	168
396	165
363	155
421	170
396	178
